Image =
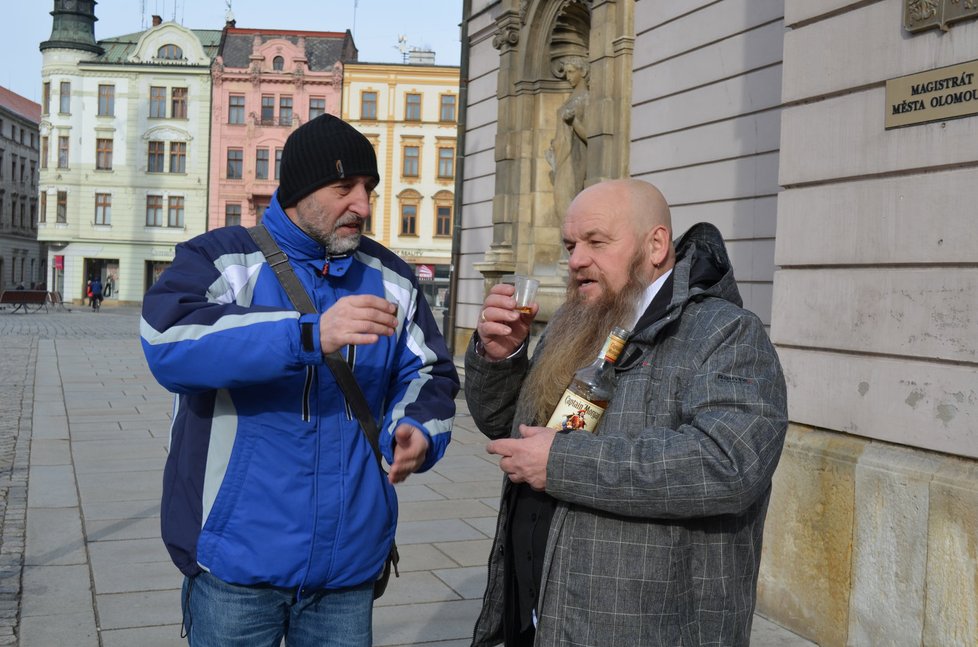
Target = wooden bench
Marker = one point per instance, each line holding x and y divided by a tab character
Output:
23	299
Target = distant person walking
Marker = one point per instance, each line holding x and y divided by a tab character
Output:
95	293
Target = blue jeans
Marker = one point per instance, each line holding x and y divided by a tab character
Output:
218	614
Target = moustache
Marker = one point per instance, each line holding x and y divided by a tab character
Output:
349	220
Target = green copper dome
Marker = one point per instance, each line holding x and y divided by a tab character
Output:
74	26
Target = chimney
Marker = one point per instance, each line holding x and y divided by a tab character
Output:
156	21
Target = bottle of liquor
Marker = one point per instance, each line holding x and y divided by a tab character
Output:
584	401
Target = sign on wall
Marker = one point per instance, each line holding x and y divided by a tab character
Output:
926	14
935	95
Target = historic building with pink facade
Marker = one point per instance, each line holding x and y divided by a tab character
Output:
265	83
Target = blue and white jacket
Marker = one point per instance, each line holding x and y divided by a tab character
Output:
269	479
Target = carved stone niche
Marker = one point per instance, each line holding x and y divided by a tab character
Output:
536	40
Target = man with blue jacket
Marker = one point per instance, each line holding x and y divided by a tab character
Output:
273	505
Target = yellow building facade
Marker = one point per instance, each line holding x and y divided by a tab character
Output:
409	112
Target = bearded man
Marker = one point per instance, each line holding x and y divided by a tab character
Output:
647	531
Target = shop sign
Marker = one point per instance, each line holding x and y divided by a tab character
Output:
59	262
919	15
935	95
426	273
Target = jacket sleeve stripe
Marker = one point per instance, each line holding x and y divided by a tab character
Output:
197	331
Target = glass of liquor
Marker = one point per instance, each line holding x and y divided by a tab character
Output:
526	292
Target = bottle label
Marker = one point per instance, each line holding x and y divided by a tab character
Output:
574	412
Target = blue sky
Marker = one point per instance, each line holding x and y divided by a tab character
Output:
376	26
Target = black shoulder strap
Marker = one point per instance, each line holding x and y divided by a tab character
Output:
279	262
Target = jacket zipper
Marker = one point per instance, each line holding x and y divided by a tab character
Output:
306	390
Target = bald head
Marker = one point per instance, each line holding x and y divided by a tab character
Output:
615	231
636	201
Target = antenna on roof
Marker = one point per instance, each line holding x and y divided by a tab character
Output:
402	47
355	3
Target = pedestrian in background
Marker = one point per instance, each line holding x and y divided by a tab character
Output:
95	293
648	531
273	504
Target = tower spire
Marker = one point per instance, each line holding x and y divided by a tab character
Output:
73	26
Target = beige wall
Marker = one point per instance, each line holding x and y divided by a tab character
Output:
706	123
876	304
478	186
875	309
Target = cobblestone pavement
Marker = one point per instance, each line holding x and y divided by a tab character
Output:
19	336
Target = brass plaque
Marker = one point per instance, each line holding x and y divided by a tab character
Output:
935	95
925	14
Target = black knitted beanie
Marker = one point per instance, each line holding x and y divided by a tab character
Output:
321	151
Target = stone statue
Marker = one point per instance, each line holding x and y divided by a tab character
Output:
567	155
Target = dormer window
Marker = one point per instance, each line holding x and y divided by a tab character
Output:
170	53
278	63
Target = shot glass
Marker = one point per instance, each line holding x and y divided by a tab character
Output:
526	293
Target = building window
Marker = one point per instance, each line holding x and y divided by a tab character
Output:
154	211
106	100
154	163
235	163
409	219
46	97
170	53
44	152
446	162
103	154
103	208
412	107
42	215
65	107
157	102
261	164
236	109
368	105
447	110
412	156
443	221
232	215
62	151
178	103
267	110
62	215
278	63
174	212
13	168
178	157
278	163
285	111
317	106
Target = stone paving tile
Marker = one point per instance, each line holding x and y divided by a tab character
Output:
468	582
413	624
418	532
418	587
130	528
474	552
138	609
53	590
75	629
161	636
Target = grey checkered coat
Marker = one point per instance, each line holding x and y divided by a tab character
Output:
657	535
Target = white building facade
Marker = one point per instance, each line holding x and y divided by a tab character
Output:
124	145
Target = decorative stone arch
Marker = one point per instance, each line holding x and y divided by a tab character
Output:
533	38
169	33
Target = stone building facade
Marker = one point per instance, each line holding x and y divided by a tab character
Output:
22	259
852	239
